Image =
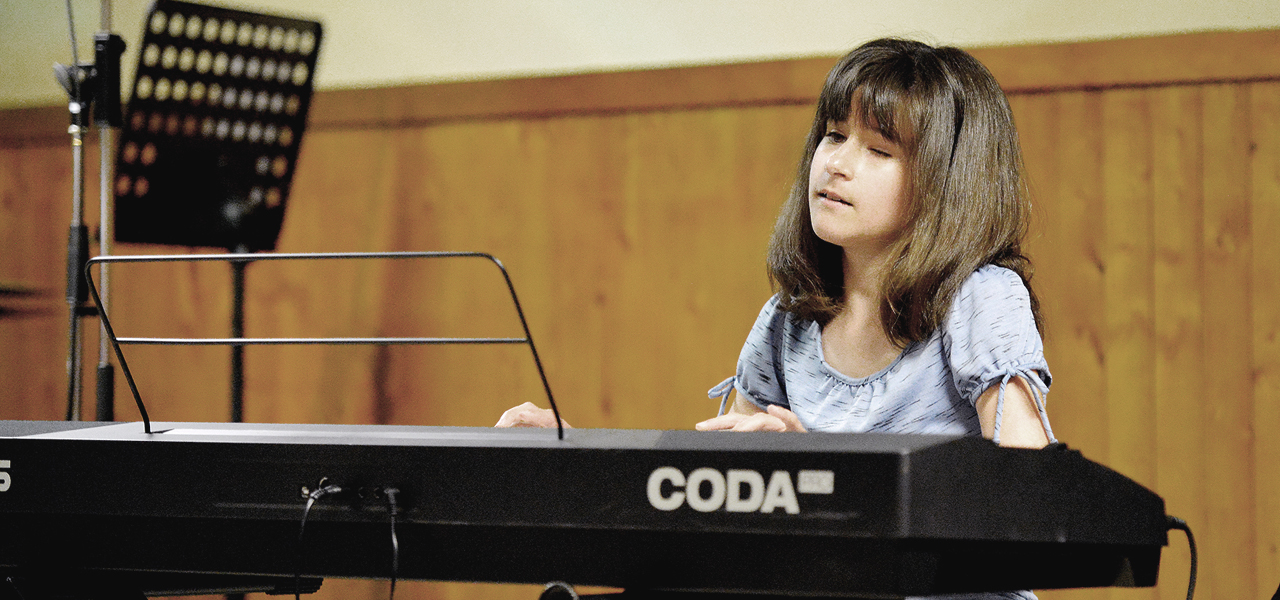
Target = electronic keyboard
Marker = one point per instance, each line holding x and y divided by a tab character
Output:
205	507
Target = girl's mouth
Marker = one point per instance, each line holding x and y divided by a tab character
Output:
832	197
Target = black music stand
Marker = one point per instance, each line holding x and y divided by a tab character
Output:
211	135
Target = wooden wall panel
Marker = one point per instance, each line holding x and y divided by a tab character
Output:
1128	291
1129	288
1178	276
35	209
644	303
633	211
1227	341
1071	279
1265	312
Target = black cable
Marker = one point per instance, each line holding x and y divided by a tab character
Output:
321	491
1179	524
16	590
393	510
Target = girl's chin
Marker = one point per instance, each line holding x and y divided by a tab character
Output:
851	240
831	235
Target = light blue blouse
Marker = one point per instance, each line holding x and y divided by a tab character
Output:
989	337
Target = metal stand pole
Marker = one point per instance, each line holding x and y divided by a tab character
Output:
106	371
237	331
84	83
237	351
107	50
77	254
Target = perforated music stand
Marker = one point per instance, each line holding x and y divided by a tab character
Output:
211	135
212	129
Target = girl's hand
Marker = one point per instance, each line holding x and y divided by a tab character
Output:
529	415
774	419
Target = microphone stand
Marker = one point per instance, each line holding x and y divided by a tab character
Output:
108	47
86	83
75	80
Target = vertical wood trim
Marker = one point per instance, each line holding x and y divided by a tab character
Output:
1228	391
1178	277
1129	287
1074	277
1265	310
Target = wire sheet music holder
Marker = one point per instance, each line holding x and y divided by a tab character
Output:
211	134
116	341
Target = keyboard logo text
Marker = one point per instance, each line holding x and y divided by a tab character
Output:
734	490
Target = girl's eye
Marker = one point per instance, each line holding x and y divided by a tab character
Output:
835	136
879	152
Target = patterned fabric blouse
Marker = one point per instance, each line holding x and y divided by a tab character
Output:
931	387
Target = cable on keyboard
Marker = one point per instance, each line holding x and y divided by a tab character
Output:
392	510
1179	524
322	490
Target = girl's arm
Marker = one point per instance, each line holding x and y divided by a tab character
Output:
744	415
1020	426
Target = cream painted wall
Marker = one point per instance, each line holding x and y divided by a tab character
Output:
379	42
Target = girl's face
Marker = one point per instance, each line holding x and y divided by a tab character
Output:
858	188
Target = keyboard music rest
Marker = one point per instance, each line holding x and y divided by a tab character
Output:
873	515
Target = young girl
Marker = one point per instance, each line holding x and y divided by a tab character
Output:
903	299
903	303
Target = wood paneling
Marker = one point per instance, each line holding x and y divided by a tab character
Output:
1227	340
1128	283
1265	312
1178	291
633	211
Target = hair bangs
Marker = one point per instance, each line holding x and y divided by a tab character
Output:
876	98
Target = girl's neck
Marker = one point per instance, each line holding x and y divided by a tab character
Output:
864	274
854	341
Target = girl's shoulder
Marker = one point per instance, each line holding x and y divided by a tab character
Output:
992	310
991	327
991	298
995	283
991	333
774	315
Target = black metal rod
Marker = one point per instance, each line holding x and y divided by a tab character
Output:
115	345
237	331
106	392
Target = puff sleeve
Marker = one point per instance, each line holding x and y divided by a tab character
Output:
759	375
990	337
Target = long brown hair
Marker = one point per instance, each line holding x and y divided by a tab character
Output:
969	205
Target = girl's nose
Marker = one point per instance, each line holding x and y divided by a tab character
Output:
839	162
